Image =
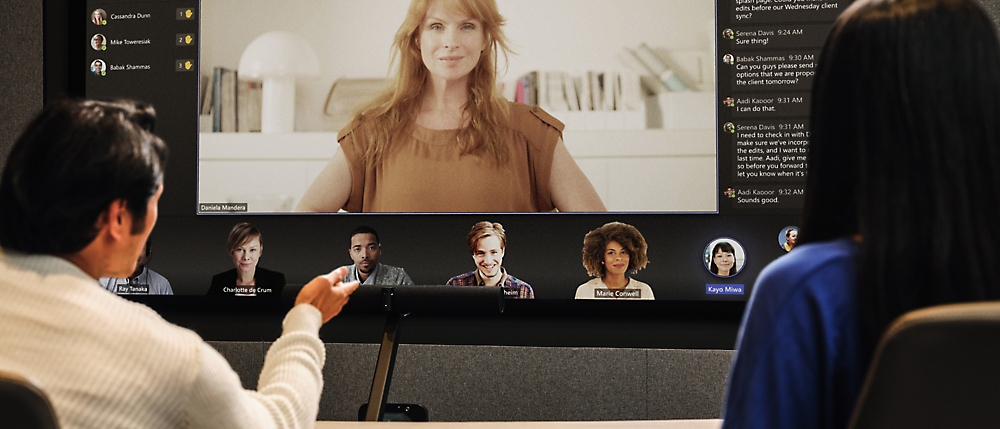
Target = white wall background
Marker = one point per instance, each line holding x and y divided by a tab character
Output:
352	37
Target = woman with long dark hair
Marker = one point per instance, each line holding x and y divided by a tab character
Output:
901	201
723	260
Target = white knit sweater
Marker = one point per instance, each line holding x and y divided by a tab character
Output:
106	362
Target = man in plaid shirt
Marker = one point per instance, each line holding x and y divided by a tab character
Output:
487	241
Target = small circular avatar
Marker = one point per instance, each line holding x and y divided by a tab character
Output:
99	42
724	257
98	68
789	235
99	17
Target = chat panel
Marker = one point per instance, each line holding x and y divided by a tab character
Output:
779	11
767	55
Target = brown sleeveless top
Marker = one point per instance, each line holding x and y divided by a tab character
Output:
427	172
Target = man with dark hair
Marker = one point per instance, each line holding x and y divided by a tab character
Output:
365	251
142	281
78	200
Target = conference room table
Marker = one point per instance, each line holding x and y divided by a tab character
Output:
628	424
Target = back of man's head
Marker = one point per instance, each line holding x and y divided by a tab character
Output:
72	161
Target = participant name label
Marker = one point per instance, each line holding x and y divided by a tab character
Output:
246	290
133	289
719	289
620	294
130	42
139	15
126	67
222	207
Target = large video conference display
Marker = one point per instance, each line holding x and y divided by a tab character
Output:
685	121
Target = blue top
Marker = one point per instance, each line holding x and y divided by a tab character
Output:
799	360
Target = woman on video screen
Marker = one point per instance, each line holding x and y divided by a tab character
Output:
609	252
245	245
900	211
443	138
723	260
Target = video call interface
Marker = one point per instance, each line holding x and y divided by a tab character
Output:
689	119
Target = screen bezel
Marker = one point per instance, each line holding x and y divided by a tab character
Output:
59	37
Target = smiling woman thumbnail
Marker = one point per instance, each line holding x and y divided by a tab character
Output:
609	252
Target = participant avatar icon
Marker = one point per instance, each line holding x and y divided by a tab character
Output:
98	42
728	34
729	127
99	17
730	193
724	257
787	238
729	102
98	68
729	59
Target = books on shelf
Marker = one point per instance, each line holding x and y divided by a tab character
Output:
249	102
233	105
224	85
587	100
655	72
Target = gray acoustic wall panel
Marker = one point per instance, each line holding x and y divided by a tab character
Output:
488	383
246	358
687	384
20	68
469	383
347	380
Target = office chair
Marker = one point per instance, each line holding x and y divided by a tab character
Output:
23	405
934	368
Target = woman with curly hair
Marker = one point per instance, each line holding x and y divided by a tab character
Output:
609	252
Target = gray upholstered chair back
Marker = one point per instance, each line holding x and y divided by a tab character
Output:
934	368
23	405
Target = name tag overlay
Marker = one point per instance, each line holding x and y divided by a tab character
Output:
134	289
246	290
511	293
222	207
618	294
716	289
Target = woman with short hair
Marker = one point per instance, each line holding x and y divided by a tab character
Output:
245	245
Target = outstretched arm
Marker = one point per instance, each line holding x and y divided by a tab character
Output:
331	189
571	190
291	381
